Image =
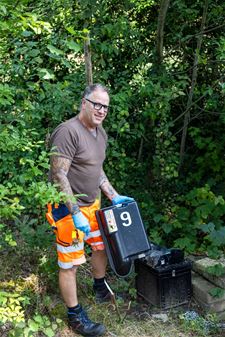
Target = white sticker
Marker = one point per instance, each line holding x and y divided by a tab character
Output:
111	222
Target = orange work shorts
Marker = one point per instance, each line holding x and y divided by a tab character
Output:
69	240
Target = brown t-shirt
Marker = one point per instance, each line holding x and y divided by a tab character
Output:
74	141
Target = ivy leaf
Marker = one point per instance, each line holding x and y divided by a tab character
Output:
208	228
49	332
185	243
158	217
33	326
218	236
217	292
167	228
219	200
38	319
217	270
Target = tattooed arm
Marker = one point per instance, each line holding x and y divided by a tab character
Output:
59	170
106	187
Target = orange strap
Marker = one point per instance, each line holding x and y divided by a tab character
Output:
49	215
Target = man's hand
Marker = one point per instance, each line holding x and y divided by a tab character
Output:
119	199
81	222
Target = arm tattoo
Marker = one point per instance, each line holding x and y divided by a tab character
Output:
106	187
59	170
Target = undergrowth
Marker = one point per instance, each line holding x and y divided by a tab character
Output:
31	305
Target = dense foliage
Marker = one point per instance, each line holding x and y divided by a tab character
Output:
164	62
167	115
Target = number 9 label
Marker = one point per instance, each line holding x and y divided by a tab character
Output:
126	218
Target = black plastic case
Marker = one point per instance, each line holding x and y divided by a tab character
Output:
124	236
164	286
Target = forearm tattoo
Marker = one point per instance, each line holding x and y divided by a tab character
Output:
106	187
59	170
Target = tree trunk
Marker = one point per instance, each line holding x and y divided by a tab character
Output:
164	4
88	63
193	83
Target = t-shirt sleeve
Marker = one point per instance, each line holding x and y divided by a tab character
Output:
64	142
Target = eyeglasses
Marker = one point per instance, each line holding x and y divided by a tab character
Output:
98	106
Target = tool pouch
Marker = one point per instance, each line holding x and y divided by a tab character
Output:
62	224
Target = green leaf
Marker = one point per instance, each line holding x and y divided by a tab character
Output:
38	319
27	33
207	228
217	292
219	200
217	237
71	30
33	325
167	228
49	332
46	74
217	270
158	217
21	325
34	52
185	243
3	10
73	45
54	50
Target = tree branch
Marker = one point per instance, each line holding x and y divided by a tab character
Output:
193	83
164	4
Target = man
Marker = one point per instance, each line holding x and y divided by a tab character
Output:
76	166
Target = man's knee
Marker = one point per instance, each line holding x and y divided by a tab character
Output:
99	255
68	271
100	252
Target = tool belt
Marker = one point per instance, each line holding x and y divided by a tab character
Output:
62	224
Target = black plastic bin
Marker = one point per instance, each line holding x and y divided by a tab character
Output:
164	286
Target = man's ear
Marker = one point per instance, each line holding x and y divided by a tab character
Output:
83	102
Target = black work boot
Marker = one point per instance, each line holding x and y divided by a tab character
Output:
81	324
101	290
101	295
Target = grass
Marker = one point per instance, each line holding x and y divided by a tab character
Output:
30	275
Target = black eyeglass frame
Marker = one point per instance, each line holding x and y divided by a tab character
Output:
98	106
